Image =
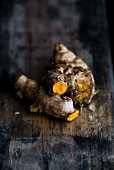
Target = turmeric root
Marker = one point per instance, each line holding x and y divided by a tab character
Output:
63	89
57	106
79	78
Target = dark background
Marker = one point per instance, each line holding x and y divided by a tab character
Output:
110	15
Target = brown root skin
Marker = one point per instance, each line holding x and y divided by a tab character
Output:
26	87
53	105
62	54
54	82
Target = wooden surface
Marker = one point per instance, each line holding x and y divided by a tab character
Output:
29	31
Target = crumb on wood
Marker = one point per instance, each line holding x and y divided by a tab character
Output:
16	113
92	107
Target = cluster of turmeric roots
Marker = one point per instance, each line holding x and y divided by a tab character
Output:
63	90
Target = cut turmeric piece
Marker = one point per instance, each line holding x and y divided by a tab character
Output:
60	88
33	109
73	115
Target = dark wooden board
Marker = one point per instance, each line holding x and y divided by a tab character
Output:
28	32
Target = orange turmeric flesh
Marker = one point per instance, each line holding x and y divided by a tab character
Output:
60	88
73	115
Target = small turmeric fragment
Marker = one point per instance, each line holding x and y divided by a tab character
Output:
73	115
33	109
60	88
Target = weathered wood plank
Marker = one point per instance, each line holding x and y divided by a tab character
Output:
29	31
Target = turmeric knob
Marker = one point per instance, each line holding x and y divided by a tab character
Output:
62	54
54	82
